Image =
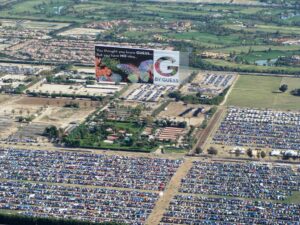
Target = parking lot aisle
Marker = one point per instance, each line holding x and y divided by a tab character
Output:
171	190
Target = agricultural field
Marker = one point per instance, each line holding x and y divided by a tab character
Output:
233	66
263	92
264	28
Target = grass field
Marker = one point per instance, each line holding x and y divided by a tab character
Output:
253	68
266	28
264	55
262	92
212	40
240	49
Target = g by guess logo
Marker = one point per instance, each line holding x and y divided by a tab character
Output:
164	66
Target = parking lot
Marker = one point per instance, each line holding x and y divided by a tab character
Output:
146	92
264	129
210	82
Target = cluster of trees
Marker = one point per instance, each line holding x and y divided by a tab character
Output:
198	98
26	119
55	95
20	89
72	105
93	136
284	88
59	80
170	123
250	154
51	132
67	80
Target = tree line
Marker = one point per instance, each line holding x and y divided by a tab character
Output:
14	219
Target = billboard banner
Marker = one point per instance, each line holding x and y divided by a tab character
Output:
134	65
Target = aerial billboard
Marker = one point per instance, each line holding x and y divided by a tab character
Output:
135	65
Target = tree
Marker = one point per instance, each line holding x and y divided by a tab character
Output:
283	88
175	94
250	152
237	153
199	94
199	150
51	132
296	92
263	154
212	151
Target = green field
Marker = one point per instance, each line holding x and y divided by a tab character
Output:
227	65
262	92
265	28
265	55
257	48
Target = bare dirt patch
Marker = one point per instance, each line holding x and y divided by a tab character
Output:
175	109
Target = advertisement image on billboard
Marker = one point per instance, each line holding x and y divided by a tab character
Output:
118	64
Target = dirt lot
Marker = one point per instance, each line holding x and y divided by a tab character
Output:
174	109
77	89
54	111
46	111
56	102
